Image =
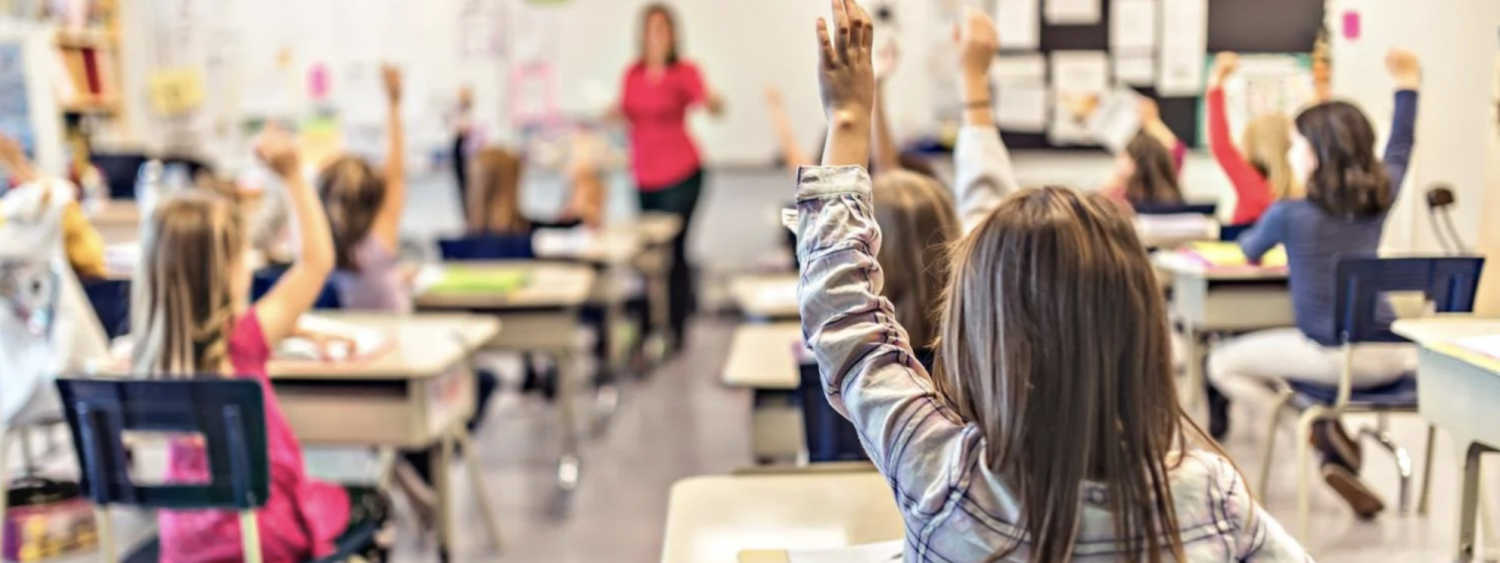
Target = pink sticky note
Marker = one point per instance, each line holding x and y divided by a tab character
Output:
1351	25
317	81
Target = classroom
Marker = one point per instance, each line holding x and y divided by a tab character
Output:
801	281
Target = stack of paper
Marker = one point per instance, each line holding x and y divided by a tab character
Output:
1487	345
1229	255
885	552
362	342
122	258
1180	227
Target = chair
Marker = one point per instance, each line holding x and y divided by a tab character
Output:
119	171
265	278
1231	233
229	414
1449	283
829	436
487	247
111	301
1209	209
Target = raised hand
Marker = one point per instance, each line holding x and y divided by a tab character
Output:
11	155
1225	64
1405	68
846	75
276	148
391	77
774	98
887	57
978	43
1148	111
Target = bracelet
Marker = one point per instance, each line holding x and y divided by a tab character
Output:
977	104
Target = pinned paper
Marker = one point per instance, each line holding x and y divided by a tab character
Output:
1351	25
176	91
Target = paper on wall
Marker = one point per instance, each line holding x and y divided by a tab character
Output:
1019	23
1132	25
1135	70
1184	42
1073	12
1117	119
1075	74
1020	93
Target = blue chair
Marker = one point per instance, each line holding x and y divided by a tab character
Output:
829	436
1361	316
1231	233
111	301
1210	209
487	247
230	416
265	278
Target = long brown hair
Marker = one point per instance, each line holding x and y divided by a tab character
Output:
1155	177
183	302
495	193
918	223
665	11
1266	140
352	193
1056	345
1348	181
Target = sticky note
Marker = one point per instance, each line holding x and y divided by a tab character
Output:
1351	25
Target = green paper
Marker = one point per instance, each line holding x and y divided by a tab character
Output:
480	281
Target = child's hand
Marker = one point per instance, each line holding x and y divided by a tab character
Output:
978	43
887	58
846	76
773	97
1225	64
330	347
1148	111
391	76
276	148
1405	68
11	155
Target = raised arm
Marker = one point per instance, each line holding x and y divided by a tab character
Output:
1258	538
1154	127
868	369
1250	187
981	164
387	226
887	155
1407	72
15	163
792	151
299	288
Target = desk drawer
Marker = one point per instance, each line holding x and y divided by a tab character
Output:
402	413
539	331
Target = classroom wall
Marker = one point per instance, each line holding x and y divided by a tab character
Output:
1457	43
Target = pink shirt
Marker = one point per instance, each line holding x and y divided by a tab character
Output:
662	153
302	517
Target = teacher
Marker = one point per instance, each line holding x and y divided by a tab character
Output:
658	90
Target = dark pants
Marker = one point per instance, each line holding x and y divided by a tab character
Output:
680	199
369	512
461	173
485	384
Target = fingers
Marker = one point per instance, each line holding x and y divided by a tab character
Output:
841	31
866	27
825	45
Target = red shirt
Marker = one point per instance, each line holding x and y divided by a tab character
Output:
662	153
1252	189
300	520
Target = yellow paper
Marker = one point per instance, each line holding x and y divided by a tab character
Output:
320	140
176	91
1229	255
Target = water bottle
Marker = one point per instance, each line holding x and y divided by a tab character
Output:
148	190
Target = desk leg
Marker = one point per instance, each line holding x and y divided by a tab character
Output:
442	481
477	482
1469	501
661	308
1193	356
607	389
568	464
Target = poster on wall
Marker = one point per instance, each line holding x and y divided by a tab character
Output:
1264	84
15	106
28	113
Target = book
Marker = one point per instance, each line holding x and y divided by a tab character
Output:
462	280
1229	255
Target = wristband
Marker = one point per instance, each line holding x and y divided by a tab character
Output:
977	104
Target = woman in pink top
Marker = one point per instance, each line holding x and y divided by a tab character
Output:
657	92
189	318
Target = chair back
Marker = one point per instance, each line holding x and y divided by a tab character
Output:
487	247
265	278
1231	233
1209	209
1360	308
111	301
119	171
829	436
229	414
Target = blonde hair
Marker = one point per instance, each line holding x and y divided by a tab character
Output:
352	193
182	303
495	193
918	223
1056	345
1266	140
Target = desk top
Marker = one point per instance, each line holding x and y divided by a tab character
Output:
1439	334
1175	263
609	246
763	356
115	212
655	227
713	519
550	285
771	296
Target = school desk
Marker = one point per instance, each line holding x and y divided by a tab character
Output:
1458	392
415	394
1209	300
713	519
763	359
539	316
766	296
657	231
117	220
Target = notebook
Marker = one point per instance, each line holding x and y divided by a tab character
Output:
462	280
884	552
1488	345
1229	255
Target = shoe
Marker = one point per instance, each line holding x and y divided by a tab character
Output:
1365	502
1330	438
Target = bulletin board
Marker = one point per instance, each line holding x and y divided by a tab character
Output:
1245	26
28	110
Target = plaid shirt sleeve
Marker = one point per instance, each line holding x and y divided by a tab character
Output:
868	369
1257	536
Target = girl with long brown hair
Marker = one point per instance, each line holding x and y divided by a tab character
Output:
1053	431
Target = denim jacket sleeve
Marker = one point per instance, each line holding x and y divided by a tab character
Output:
868	370
982	172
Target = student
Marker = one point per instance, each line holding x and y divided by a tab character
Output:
1349	194
1262	175
919	222
1145	174
1053	431
494	194
81	241
190	318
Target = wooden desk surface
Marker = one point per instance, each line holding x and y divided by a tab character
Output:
610	246
115	212
768	296
713	519
550	285
655	227
1439	334
763	356
1175	263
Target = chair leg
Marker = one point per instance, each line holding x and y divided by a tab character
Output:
250	536
105	529
1265	466
1426	494
1403	462
1304	493
5	445
1486	519
481	492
